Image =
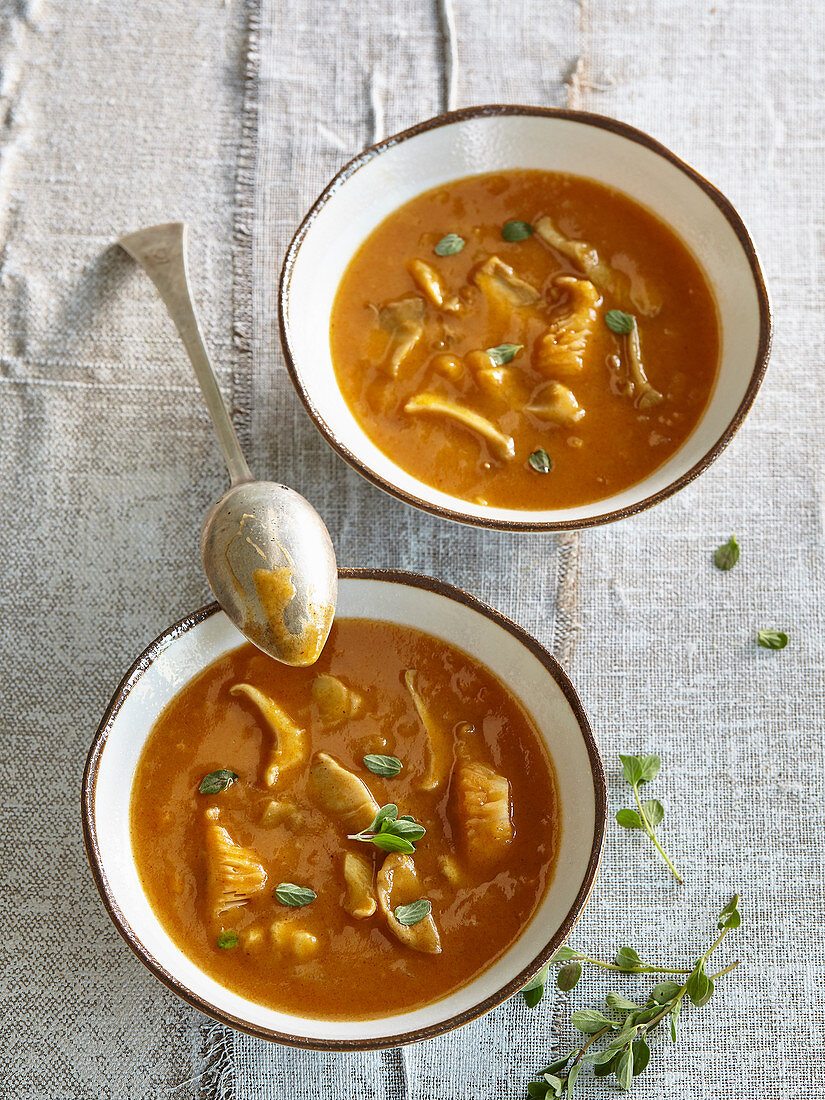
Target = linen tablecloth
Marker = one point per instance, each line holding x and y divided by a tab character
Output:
233	116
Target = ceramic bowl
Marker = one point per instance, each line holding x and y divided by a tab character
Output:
531	672
497	138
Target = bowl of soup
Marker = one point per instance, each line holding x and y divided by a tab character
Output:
524	318
356	855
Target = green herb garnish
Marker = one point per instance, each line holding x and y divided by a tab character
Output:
217	781
414	912
228	939
618	322
386	766
449	245
727	555
294	896
772	639
504	353
517	231
391	833
637	771
627	1052
540	461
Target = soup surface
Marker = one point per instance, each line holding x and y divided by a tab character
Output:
261	884
527	340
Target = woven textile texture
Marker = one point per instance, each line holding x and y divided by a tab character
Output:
114	115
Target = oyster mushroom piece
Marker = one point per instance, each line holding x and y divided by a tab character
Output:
503	445
481	804
358	875
583	255
439	746
499	283
555	402
404	321
560	350
397	884
336	702
233	874
340	793
288	740
430	283
648	395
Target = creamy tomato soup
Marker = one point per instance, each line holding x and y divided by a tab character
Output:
349	840
526	340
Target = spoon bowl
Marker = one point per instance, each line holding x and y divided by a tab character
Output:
250	542
266	552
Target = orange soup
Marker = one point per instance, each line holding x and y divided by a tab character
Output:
350	840
525	340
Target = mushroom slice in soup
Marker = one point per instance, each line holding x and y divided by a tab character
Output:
648	395
336	702
481	803
398	884
404	322
583	255
503	445
340	793
289	741
561	349
233	874
555	402
358	875
439	745
499	284
430	283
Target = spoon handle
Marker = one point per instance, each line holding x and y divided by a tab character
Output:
161	252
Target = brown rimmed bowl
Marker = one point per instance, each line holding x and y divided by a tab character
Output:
189	646
499	138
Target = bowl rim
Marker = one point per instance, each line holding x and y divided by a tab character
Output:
588	118
121	922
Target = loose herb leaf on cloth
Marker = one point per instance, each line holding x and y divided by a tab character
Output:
386	766
449	245
727	555
639	770
626	1051
391	833
217	781
772	639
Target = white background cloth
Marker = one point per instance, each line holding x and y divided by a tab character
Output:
114	115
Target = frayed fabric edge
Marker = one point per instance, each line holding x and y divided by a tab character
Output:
217	1081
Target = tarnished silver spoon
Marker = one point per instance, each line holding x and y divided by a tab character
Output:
266	551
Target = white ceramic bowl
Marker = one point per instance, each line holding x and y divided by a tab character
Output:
405	598
492	139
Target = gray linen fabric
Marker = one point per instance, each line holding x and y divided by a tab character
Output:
115	115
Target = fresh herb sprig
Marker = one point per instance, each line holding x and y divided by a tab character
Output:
639	770
627	1051
392	833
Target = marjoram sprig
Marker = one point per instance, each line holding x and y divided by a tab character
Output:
626	1051
639	770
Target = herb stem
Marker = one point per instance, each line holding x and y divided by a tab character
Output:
645	968
649	830
727	970
584	1047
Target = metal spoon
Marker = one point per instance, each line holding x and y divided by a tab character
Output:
266	551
